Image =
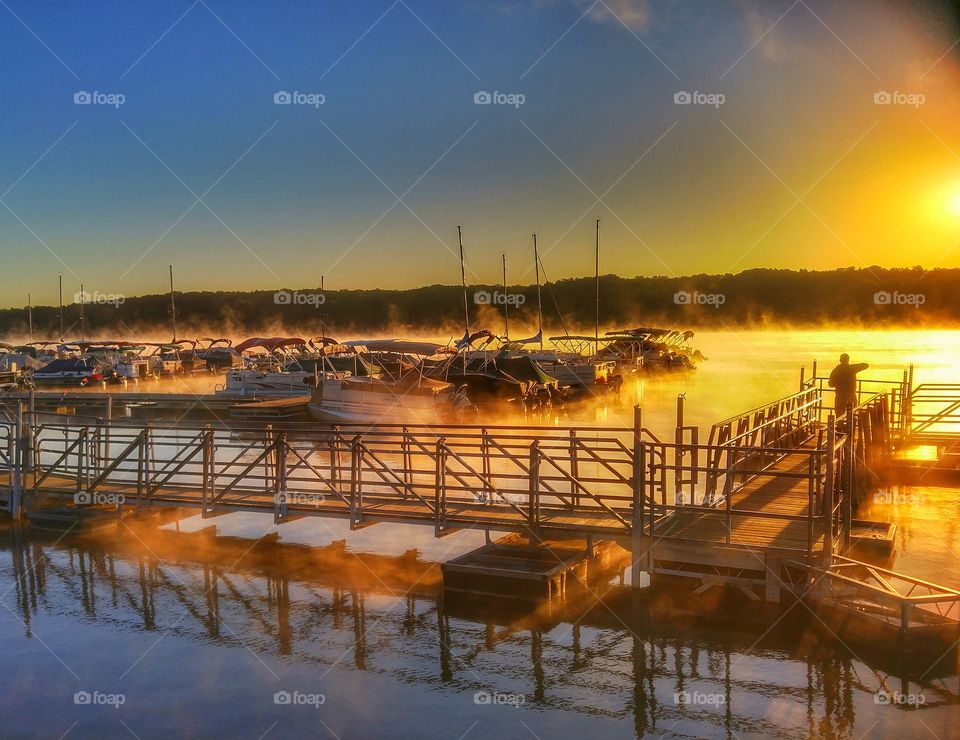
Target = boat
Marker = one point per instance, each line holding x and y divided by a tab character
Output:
73	371
412	398
650	349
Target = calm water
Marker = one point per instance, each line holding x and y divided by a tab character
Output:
197	635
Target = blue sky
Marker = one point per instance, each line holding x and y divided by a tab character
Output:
108	194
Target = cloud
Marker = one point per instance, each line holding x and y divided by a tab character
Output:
635	14
759	26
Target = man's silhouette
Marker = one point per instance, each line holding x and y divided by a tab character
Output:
843	380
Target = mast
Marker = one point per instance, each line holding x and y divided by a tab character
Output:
596	323
173	307
536	262
83	300
323	311
60	312
30	315
463	281
506	309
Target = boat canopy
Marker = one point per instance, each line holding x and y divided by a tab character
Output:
269	343
401	346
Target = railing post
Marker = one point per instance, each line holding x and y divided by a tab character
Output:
207	467
440	487
15	460
828	491
487	470
575	468
335	457
639	497
534	485
81	458
141	465
407	463
280	477
356	483
728	492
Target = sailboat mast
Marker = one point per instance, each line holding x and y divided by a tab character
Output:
173	307
83	320
30	315
506	304
596	323
536	262
323	311
60	312
463	282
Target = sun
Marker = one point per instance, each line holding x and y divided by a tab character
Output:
953	203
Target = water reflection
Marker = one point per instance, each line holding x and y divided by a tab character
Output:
379	626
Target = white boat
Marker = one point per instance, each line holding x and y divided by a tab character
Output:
412	398
267	383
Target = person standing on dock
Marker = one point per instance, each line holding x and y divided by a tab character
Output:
843	380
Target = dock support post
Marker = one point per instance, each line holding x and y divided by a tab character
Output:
828	491
772	584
